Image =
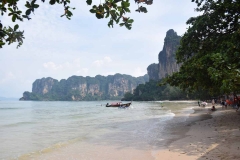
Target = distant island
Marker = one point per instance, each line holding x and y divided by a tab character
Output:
78	88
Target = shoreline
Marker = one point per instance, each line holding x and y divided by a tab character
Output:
205	135
193	134
177	131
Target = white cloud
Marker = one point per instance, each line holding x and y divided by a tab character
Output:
139	72
52	66
85	70
101	62
77	61
74	64
9	76
107	59
98	63
109	73
82	72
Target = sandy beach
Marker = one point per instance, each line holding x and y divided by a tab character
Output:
198	135
213	139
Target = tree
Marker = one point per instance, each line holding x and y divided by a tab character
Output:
210	49
115	10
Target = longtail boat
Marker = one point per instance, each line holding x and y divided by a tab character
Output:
119	104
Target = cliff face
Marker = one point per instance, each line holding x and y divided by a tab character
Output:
166	58
43	86
77	88
153	71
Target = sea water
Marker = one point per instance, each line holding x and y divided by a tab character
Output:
39	130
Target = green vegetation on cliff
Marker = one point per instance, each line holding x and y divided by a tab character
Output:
78	88
151	91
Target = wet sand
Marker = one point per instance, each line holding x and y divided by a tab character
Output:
212	139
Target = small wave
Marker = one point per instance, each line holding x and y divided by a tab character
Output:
18	124
167	101
9	108
50	149
188	110
164	117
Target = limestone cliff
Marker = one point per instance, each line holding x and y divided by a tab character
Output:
166	58
77	88
153	71
43	86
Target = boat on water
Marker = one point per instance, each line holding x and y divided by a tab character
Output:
119	104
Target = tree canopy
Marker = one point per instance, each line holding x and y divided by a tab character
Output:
210	49
114	10
150	91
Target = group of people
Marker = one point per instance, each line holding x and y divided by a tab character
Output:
224	103
203	104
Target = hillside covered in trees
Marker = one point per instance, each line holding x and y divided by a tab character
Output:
151	91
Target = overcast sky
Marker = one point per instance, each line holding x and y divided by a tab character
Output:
85	46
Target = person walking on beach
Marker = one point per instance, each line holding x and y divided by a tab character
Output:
223	103
199	103
238	106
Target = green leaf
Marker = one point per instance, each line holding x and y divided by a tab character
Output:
121	24
69	13
28	12
143	9
16	27
127	10
28	5
14	18
128	26
10	9
52	2
36	6
92	10
110	23
89	2
130	21
99	15
125	4
107	15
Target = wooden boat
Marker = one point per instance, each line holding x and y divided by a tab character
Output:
118	104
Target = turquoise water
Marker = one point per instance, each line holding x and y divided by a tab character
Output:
31	127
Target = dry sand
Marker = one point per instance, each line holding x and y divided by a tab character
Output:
217	138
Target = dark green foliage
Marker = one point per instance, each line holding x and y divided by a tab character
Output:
151	91
210	49
128	96
29	95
